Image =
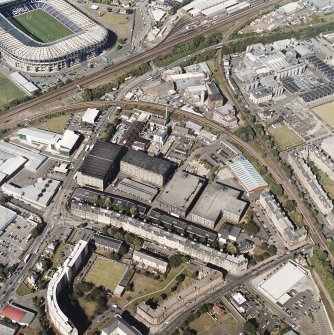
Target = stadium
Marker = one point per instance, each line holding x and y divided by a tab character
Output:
48	35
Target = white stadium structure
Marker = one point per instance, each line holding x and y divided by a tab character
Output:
25	54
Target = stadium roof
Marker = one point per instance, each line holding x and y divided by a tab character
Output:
144	161
250	179
100	159
283	280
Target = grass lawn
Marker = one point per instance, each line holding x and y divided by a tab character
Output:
326	113
327	184
56	124
285	137
88	306
106	272
41	26
23	289
57	259
9	91
203	324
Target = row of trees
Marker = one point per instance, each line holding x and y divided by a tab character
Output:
182	50
46	328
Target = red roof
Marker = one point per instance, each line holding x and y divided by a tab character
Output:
12	313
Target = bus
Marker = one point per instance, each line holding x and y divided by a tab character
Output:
26	258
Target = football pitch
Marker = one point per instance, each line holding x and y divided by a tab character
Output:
41	26
106	272
8	91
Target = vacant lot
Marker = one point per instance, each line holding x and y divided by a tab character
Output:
8	91
41	26
60	255
106	273
285	138
326	113
56	124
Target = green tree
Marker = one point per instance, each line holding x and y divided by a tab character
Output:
251	228
107	203
290	205
175	261
249	328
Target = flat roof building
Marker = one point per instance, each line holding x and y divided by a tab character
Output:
7	216
90	115
17	314
218	201
247	175
181	193
100	166
145	168
7	328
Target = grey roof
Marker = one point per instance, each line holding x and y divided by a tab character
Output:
145	254
150	163
100	159
119	323
107	241
137	189
230	229
7	328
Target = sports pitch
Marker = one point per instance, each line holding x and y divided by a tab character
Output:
285	138
106	272
326	112
41	26
8	91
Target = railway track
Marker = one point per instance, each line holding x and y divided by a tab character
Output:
146	56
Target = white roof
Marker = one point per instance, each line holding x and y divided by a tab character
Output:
90	115
158	14
69	139
94	7
23	82
12	164
38	133
248	176
283	280
6	217
239	298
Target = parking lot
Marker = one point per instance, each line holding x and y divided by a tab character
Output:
14	240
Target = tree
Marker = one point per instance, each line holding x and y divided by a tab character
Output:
249	328
95	200
251	228
3	199
290	205
137	242
231	248
87	94
107	203
134	212
175	261
123	249
276	189
180	278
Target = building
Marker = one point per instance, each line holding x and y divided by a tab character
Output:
107	243
90	116
246	246
100	166
86	38
327	146
260	96
218	201
144	168
228	232
282	223
247	176
225	116
320	4
281	282
310	183
215	98
32	279
22	82
17	314
62	144
146	259
208	280
118	326
41	266
181	193
322	161
38	194
7	328
151	232
7	216
61	279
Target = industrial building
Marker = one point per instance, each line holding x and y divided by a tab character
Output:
62	144
225	116
7	216
247	176
144	168
25	85
118	326
100	166
181	193
218	201
281	282
90	115
282	223
61	279
147	259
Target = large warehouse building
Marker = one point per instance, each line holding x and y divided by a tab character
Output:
25	51
218	201
145	168
181	193
100	166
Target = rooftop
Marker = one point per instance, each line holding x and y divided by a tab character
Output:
119	326
107	241
100	159
150	163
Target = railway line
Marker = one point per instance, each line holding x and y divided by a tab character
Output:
146	56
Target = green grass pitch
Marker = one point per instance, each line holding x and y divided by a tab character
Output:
8	91
106	272
41	26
